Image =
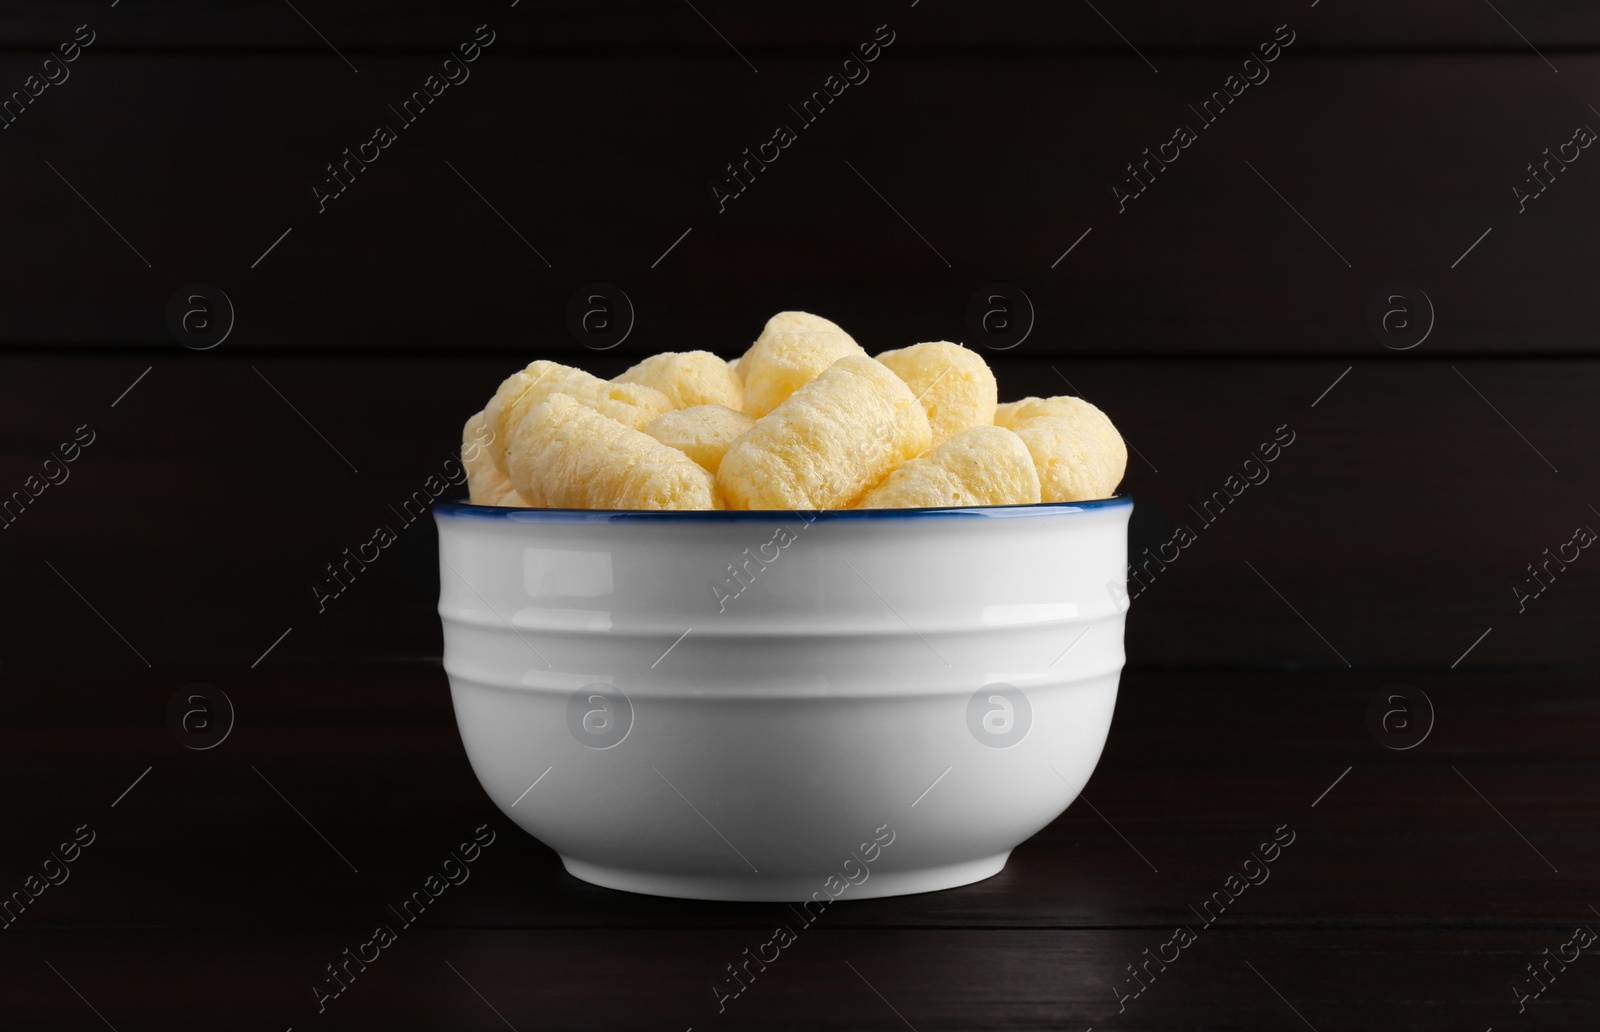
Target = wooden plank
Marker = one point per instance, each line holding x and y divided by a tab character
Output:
1151	25
933	979
936	176
1404	901
1397	524
368	755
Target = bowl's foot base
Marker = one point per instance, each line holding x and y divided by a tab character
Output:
785	889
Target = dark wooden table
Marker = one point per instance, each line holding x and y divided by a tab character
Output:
1384	166
1418	886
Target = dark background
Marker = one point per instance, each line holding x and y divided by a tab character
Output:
1222	304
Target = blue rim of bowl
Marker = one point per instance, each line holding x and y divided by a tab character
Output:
445	507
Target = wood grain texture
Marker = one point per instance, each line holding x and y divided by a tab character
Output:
934	979
1404	894
1270	234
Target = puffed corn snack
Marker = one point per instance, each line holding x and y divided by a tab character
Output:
803	419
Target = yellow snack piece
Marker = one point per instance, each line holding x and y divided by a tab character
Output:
1078	451
793	349
486	485
982	465
631	404
828	442
565	455
688	378
702	432
510	498
1074	410
510	391
804	419
954	384
1074	465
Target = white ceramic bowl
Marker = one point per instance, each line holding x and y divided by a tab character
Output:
784	706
